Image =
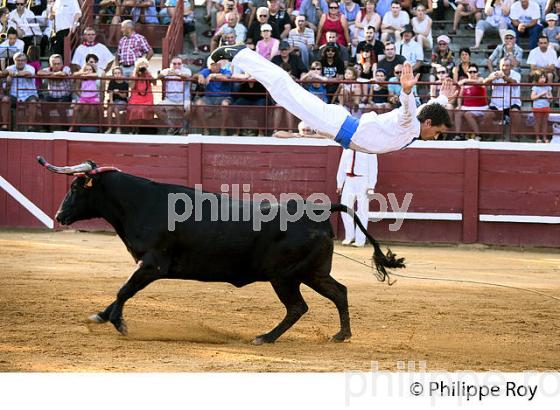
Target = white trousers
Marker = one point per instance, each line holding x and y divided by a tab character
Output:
355	189
325	118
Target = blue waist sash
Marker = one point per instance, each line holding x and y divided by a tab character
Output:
347	130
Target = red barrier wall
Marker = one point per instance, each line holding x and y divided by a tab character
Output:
461	179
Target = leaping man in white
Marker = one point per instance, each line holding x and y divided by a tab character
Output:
371	133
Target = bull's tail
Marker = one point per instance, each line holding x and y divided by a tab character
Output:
380	259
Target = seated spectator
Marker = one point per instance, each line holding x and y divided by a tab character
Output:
505	98
217	92
343	51
333	66
366	62
21	85
441	75
232	24
349	95
90	46
88	88
552	31
118	99
364	20
428	6
395	88
143	11
508	49
553	6
302	38
472	98
59	83
177	87
472	9
313	10
541	95
251	92
267	46
141	101
378	51
422	26
318	88
286	57
132	46
379	92
410	49
461	70
336	22
391	60
9	48
543	58
350	10
497	20
20	19
393	23
280	17
525	15
228	37
254	32
229	7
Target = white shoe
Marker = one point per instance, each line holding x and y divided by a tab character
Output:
358	245
346	242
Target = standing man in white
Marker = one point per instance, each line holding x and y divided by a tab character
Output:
355	180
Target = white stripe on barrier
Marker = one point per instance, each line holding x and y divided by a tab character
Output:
531	219
26	203
429	216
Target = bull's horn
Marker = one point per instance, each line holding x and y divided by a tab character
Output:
84	167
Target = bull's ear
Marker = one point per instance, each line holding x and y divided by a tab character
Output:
88	182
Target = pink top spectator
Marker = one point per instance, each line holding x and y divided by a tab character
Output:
89	92
268	49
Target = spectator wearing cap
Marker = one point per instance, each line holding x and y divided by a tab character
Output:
467	8
442	54
313	10
297	68
409	48
552	31
268	45
496	20
378	47
391	60
393	22
543	58
233	23
525	15
254	32
508	49
422	25
302	38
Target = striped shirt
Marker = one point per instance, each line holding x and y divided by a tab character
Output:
301	40
131	48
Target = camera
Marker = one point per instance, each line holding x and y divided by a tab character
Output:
142	70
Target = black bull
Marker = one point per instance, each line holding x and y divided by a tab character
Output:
210	251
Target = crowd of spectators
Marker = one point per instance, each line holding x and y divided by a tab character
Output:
319	42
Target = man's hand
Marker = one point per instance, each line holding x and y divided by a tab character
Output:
408	79
338	191
448	89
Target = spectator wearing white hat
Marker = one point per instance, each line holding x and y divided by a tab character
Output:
497	20
268	46
508	49
442	55
552	31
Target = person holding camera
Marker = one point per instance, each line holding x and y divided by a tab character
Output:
141	102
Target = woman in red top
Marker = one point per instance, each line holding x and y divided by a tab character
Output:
333	21
141	101
473	99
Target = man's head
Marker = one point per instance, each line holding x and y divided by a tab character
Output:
398	71
89	35
300	21
370	34
524	3
284	48
21	60
331	36
390	51
229	5
509	37
395	8
229	38
127	27
176	63
543	44
12	35
407	33
56	62
213	66
232	19
505	66
434	120
273	6
262	15
20	6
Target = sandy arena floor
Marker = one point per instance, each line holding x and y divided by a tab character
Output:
51	282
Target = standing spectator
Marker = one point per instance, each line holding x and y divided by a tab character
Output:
267	46
177	86
318	88
20	19
313	10
461	70
355	181
497	20
552	31
88	87
333	66
132	46
10	47
364	20
410	49
118	99
66	15
233	23
254	33
508	49
293	61
302	38
393	22
422	25
525	15
472	98
334	21
21	85
467	8
91	46
391	60
280	17
505	98
541	94
378	47
46	27
141	101
543	58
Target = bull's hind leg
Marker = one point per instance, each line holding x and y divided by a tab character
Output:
336	292
290	296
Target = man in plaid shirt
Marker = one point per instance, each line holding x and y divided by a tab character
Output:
59	90
132	46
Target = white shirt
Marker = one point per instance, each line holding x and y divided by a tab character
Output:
5	48
100	50
179	90
402	20
391	131
65	10
506	96
532	12
22	22
412	51
540	59
364	165
240	32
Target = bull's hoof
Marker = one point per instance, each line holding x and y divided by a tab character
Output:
97	319
260	340
122	328
341	337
